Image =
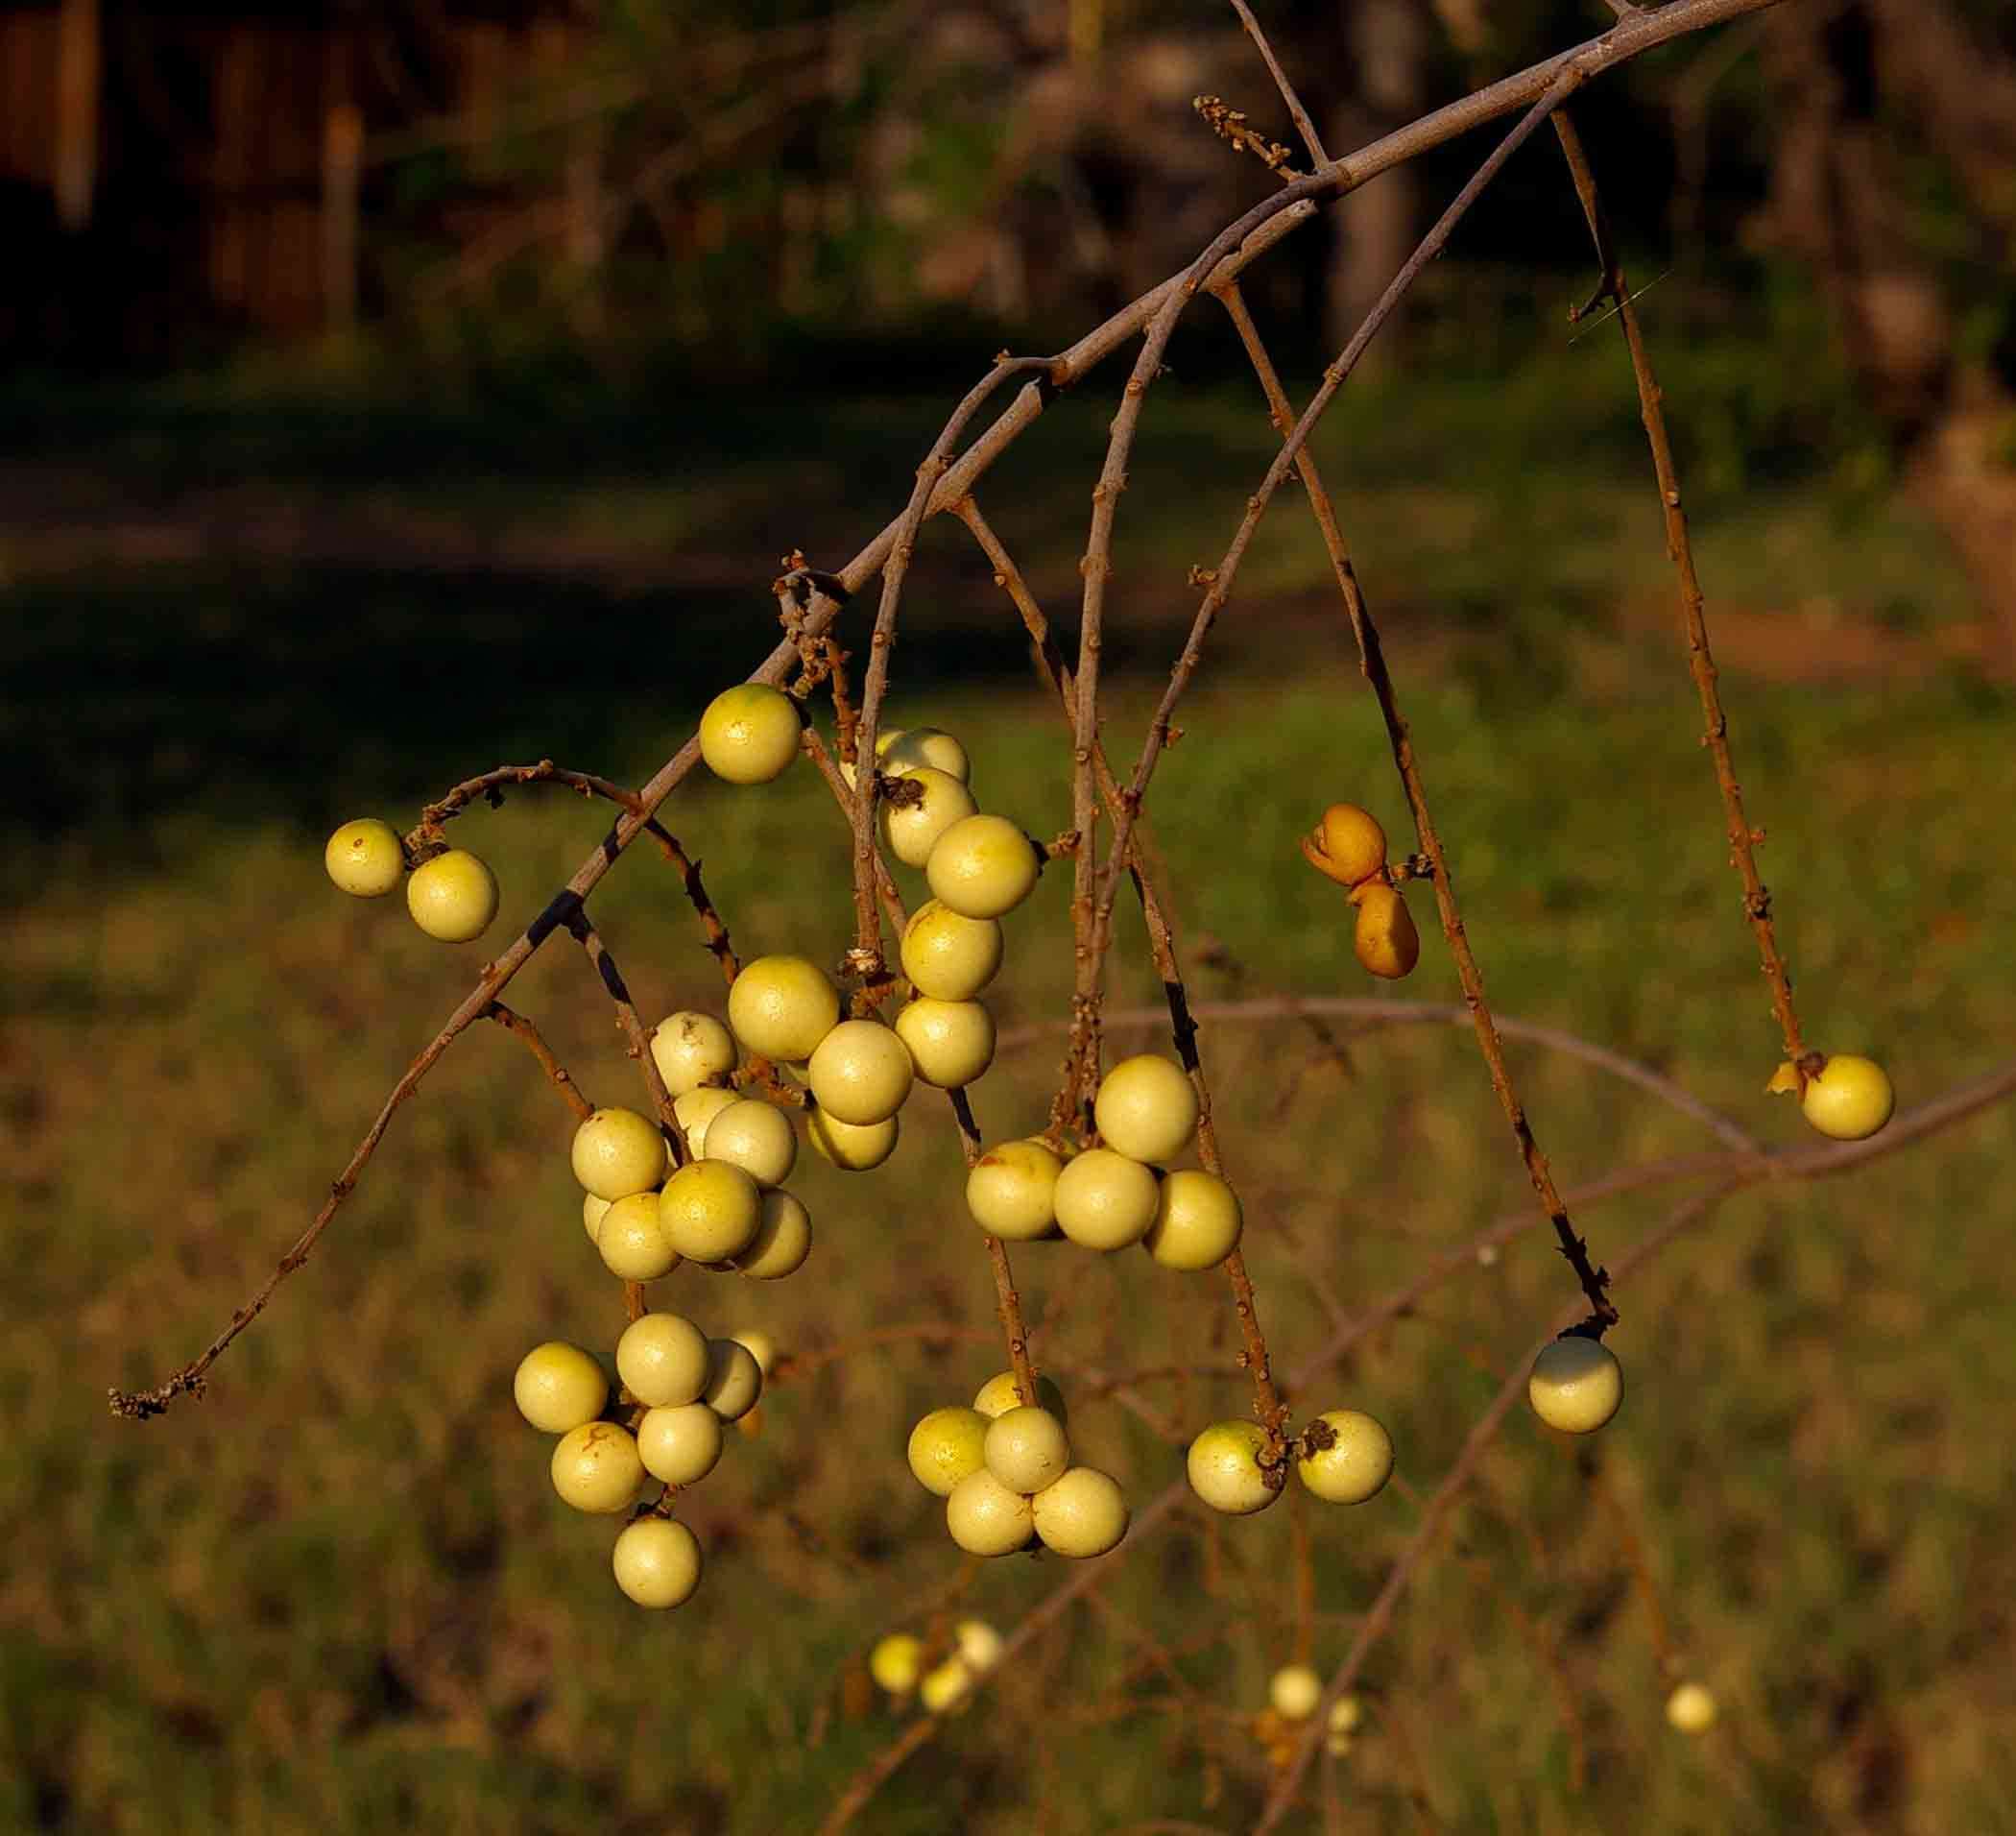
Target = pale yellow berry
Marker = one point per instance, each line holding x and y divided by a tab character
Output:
1197	1221
656	1562
1348	845
1012	1189
912	820
1384	938
696	1110
755	1136
749	733
1026	1449
783	1240
860	1072
680	1444
1576	1385
946	957
1849	1099
906	750
616	1152
896	1662
849	1145
734	1379
1357	1464
1295	1690
949	1042
998	1394
986	1517
1345	1715
452	897
1105	1200
364	857
782	1006
633	1239
710	1210
758	1344
946	1686
946	1446
691	1049
1146	1109
1225	1470
979	1645
983	866
661	1359
596	1468
1081	1515
592	1210
1691	1709
559	1387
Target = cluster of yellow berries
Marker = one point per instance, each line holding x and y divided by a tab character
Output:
1004	1470
896	1663
1294	1695
1348	846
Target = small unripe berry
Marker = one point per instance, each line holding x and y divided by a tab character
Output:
749	733
559	1387
894	1663
616	1152
452	897
755	1136
1385	940
1345	1715
949	1042
1026	1449
689	1048
1082	1516
1357	1464
696	1110
946	1686
709	1210
986	1517
782	1006
946	1446
661	1359
678	1445
1105	1200
948	957
596	1468
1225	1470
1348	844
633	1239
1197	1221
1295	1690
1850	1098
1691	1709
783	1240
656	1562
1012	1191
364	857
1576	1385
910	830
1146	1109
860	1072
998	1394
906	750
734	1379
983	866
851	1147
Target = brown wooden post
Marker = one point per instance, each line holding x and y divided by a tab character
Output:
77	80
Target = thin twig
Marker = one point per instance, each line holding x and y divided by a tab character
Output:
520	1028
1297	114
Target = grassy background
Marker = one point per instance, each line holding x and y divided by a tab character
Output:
338	1595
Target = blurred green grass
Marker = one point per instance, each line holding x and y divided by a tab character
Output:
339	1594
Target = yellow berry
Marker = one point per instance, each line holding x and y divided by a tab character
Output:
783	1242
734	1379
1026	1449
946	1446
907	750
680	1444
452	897
1345	1715
709	1210
1691	1709
691	1049
986	1517
946	1686
1348	844
950	1042
657	1561
998	1394
1146	1109
559	1387
760	1345
364	857
1225	1470
1357	1464
1012	1191
1385	939
591	1212
1081	1515
633	1239
596	1468
1105	1200
851	1147
860	1072
983	866
894	1663
661	1359
618	1152
695	1112
979	1645
1576	1385
911	826
1849	1099
782	1006
749	733
1295	1690
946	957
755	1136
1197	1221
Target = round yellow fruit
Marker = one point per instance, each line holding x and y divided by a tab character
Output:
1357	1464
983	866
661	1359
1385	939
1197	1221
709	1210
1026	1449
1691	1709
618	1152
1081	1515
691	1049
1295	1690
946	1446
452	897
1849	1099
783	1240
782	1006
760	1345
734	1379
591	1212
749	733
1105	1200
755	1136
1576	1385
1012	1191
986	1517
680	1444
1225	1470
860	1072
559	1387
849	1145
911	826
596	1468
633	1239
907	750
946	1686
1146	1109
657	1561
998	1394
1345	1715
1348	844
950	1042
946	957
695	1111
979	1645
896	1662
364	857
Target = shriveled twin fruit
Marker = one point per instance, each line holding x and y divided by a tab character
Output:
1348	846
